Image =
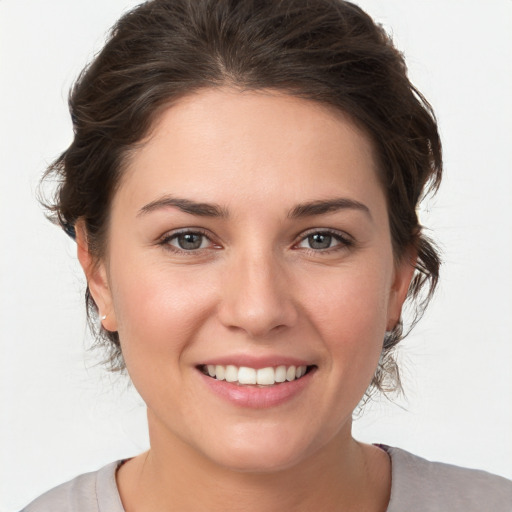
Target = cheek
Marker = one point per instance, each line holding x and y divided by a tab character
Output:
349	310
158	310
159	314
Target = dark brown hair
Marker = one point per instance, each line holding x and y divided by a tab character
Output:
328	51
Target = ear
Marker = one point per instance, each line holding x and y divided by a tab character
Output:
96	275
404	271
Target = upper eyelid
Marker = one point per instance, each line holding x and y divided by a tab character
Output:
182	231
333	232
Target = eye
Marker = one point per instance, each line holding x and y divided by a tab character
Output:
324	240
319	241
187	241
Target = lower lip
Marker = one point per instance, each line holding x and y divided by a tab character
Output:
257	397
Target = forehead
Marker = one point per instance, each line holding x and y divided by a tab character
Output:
232	144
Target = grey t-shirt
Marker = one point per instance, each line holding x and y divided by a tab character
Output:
417	485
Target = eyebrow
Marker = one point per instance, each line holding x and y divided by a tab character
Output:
185	205
327	206
309	209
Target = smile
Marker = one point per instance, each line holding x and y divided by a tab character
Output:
244	375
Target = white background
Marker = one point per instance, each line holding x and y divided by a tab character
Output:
61	415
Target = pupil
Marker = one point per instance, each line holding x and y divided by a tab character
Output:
190	241
320	241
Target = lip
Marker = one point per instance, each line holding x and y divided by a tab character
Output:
257	397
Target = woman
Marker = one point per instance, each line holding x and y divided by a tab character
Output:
242	188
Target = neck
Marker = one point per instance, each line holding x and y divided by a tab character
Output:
343	475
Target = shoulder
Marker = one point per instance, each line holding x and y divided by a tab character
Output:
90	492
424	486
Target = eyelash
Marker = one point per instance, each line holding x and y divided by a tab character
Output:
165	241
344	241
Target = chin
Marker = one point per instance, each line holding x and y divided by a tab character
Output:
250	461
259	451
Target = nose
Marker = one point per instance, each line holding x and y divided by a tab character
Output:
257	296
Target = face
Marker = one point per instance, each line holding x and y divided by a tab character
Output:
249	244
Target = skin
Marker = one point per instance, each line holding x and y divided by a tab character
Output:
256	287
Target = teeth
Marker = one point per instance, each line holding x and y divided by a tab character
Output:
290	373
266	376
220	372
246	375
262	376
280	374
231	373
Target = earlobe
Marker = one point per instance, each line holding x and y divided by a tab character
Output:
403	275
96	275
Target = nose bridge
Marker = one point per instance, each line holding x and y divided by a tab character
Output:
256	298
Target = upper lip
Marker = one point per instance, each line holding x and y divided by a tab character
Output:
256	362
